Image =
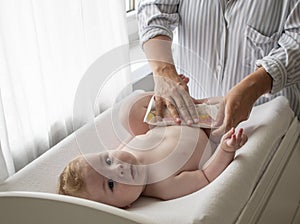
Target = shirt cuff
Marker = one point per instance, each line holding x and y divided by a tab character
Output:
276	70
153	32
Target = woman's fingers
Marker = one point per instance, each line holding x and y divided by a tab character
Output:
159	107
173	111
185	106
174	95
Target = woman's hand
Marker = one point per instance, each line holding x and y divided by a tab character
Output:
170	89
171	92
238	102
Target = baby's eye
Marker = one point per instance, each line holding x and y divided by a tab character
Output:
110	183
108	161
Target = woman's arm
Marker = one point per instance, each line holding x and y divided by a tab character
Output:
238	102
157	20
277	70
282	63
170	90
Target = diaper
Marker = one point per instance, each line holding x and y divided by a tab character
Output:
207	114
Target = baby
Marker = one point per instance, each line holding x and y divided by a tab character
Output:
162	162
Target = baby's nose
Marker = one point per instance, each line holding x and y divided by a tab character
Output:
119	168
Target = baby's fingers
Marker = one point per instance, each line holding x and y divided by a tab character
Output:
229	133
244	140
239	134
241	137
232	141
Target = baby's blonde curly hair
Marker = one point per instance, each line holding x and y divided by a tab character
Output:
70	181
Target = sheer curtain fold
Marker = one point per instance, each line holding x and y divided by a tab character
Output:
45	48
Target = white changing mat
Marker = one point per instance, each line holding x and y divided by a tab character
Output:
219	202
224	198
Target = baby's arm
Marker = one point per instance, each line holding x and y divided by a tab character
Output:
224	153
188	182
177	186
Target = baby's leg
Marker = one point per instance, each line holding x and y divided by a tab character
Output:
132	113
224	154
133	110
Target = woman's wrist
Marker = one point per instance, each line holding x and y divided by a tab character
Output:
163	69
264	81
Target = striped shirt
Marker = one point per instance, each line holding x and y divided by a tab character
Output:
222	41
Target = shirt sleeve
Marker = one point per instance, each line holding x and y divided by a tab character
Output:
157	17
283	62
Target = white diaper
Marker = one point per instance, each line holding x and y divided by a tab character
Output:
206	114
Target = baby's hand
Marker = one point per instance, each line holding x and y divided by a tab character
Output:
231	142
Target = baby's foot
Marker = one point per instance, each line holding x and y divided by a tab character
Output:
231	142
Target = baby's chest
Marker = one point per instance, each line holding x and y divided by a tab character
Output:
170	148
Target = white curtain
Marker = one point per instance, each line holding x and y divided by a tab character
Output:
45	48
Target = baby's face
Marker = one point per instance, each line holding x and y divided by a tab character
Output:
112	178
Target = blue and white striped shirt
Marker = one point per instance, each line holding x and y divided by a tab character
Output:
222	41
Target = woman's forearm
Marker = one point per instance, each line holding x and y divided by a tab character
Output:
260	82
159	54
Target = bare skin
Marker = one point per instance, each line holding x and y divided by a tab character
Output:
185	144
238	102
170	90
173	94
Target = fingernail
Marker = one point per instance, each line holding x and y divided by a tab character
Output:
177	119
196	120
189	122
